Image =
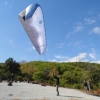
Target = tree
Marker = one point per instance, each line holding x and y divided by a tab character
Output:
12	66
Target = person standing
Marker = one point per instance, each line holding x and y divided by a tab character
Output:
85	85
57	83
0	79
89	84
12	76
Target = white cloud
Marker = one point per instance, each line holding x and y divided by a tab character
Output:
78	44
60	45
89	20
96	61
78	58
47	49
52	60
6	3
69	34
66	23
11	43
10	6
78	28
96	30
68	44
93	54
61	57
78	24
99	15
33	47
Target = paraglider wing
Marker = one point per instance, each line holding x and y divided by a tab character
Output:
32	20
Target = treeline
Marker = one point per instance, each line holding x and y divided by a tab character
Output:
8	68
72	74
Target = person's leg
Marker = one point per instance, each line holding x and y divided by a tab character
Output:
57	90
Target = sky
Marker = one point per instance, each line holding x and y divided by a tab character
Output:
72	31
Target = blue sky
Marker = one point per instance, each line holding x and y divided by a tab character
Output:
72	31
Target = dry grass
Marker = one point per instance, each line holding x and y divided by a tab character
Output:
93	92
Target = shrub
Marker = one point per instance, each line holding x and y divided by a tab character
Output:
77	86
18	78
63	82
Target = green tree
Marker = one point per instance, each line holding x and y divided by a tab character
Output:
12	66
2	75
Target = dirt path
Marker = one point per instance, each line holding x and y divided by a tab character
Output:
23	91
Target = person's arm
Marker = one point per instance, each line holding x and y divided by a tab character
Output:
54	76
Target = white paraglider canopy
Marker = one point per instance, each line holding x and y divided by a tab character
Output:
32	20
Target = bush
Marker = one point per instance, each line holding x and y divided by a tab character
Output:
39	76
99	85
51	81
95	87
18	78
77	86
63	82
